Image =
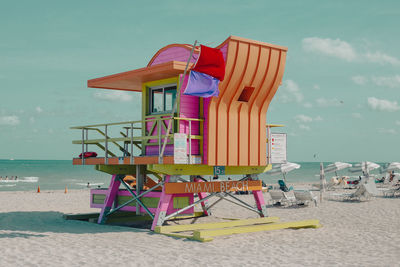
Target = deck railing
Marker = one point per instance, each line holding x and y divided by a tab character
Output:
129	139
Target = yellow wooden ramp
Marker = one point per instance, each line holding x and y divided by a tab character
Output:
207	231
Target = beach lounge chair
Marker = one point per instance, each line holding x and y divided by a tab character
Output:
391	192
304	197
362	192
279	197
283	186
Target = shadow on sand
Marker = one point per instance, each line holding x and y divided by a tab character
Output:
50	221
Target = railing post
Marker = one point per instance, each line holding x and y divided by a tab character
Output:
131	143
126	145
83	146
138	188
87	137
106	145
190	142
159	137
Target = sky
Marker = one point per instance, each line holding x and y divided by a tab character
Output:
339	99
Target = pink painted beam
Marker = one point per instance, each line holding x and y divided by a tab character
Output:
165	200
110	198
259	198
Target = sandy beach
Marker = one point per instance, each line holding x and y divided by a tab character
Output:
34	233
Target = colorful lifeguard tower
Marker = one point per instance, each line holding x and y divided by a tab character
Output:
224	135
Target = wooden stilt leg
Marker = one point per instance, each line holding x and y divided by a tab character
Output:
110	197
204	204
259	198
161	212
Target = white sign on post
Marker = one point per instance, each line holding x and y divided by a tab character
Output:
180	148
278	148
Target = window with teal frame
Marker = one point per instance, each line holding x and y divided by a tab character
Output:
162	99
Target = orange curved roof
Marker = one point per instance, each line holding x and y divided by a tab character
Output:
236	129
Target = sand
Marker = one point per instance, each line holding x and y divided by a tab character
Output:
34	233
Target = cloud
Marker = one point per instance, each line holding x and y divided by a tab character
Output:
290	92
9	120
316	87
382	104
39	109
397	123
387	81
304	127
387	131
381	58
382	81
303	118
344	50
118	96
361	80
356	115
308	105
318	118
331	47
32	120
323	102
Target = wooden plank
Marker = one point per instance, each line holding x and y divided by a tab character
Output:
220	186
255	228
88	161
203	226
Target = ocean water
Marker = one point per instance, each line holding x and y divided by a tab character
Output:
57	174
49	175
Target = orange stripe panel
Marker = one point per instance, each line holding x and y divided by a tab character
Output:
236	130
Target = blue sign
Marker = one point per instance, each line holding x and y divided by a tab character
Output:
219	170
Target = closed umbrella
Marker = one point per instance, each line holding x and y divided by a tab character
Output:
321	180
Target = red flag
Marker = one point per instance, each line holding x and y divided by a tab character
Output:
211	62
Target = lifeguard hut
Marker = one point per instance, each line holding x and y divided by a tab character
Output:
167	153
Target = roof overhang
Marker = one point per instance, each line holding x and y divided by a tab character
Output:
132	80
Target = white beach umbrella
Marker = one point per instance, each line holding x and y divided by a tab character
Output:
364	166
337	166
392	167
283	168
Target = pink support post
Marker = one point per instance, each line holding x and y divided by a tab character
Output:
163	204
110	198
204	204
259	198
